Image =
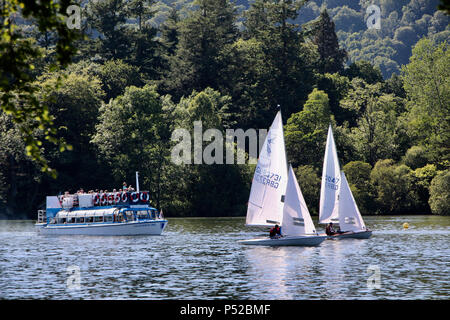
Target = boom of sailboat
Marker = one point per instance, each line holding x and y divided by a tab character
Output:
276	197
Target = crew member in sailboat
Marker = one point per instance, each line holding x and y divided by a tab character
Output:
329	230
275	232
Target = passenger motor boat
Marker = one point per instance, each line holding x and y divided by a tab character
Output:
114	213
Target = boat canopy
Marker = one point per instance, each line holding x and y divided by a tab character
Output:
84	213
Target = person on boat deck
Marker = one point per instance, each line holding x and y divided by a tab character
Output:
330	230
124	186
275	232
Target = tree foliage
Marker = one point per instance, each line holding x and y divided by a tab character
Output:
145	69
439	194
17	91
427	84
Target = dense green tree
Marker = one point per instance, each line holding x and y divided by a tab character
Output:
228	65
75	107
251	97
18	194
108	18
427	84
141	11
392	184
206	187
439	194
309	181
348	19
415	157
379	132
146	50
332	58
358	176
406	35
394	85
364	70
282	60
74	104
169	32
336	87
201	58
17	93
115	76
421	180
306	131
130	136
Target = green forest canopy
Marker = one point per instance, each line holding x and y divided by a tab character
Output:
97	104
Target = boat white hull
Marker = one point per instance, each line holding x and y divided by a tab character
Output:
106	229
353	235
286	241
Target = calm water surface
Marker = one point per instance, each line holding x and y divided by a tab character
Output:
199	258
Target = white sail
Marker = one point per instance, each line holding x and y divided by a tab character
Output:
329	192
265	206
349	216
296	218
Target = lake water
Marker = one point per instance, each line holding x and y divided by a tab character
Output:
199	258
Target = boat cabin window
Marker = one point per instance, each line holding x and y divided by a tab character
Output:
142	214
153	214
79	220
89	219
130	215
108	218
98	219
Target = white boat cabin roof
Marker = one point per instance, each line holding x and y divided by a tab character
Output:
98	212
83	213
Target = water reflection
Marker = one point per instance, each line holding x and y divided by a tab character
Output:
268	271
332	259
201	259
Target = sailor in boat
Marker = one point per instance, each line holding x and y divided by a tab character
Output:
275	232
329	230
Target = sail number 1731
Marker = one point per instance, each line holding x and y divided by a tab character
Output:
267	178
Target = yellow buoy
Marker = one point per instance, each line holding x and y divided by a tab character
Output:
405	225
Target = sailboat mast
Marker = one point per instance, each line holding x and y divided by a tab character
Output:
282	131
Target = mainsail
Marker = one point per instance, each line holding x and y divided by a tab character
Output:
296	218
265	205
329	192
349	216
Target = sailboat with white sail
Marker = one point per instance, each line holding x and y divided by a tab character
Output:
265	204
337	204
350	219
276	198
297	228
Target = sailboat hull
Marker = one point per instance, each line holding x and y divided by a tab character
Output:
354	235
286	241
